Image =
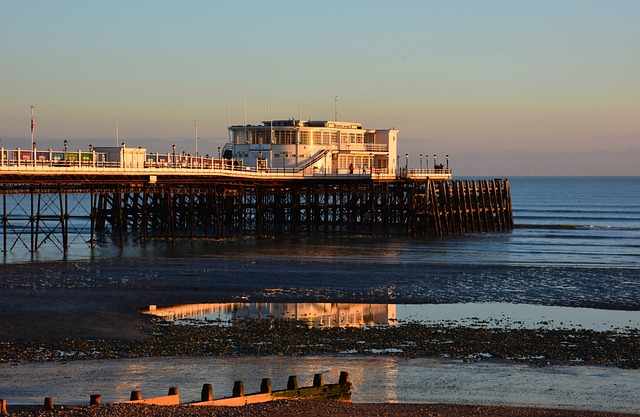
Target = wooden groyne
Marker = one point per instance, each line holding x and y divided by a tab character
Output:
132	209
318	391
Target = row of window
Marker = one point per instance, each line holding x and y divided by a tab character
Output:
307	137
361	161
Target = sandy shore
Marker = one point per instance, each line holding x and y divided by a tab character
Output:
45	308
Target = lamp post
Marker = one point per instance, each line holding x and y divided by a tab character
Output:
66	145
406	163
398	163
447	161
426	160
434	161
420	162
174	155
371	162
32	128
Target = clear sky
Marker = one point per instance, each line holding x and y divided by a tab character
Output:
545	87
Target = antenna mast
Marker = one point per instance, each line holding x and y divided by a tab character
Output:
246	139
228	121
335	109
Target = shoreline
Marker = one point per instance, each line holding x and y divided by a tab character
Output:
265	337
79	307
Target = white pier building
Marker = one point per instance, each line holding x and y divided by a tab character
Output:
334	147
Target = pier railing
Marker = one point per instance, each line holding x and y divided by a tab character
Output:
60	162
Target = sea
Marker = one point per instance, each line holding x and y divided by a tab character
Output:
572	260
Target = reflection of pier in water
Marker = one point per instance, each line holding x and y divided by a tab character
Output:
316	314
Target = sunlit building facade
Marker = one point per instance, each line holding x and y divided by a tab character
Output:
318	145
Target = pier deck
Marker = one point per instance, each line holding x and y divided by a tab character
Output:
47	203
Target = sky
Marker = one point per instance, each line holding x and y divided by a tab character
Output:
506	88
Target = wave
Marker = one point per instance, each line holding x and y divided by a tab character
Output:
570	226
576	219
607	210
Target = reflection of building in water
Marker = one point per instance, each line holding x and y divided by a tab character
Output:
317	314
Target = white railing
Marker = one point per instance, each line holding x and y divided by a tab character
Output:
94	162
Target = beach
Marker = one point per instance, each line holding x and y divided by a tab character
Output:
100	321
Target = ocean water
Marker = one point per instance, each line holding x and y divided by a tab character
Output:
576	244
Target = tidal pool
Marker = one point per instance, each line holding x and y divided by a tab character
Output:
502	315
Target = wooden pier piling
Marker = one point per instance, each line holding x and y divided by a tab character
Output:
125	210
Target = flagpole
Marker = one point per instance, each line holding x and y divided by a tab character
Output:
270	134
32	127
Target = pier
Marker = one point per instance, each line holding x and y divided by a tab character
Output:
49	201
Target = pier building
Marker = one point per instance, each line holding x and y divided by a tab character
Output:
321	145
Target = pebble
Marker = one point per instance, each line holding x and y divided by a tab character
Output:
310	408
259	337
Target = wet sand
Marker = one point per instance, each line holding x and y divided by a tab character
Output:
44	303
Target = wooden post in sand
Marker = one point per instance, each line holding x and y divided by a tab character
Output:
135	395
318	380
173	391
293	382
207	393
48	403
94	399
3	407
344	377
238	389
265	386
